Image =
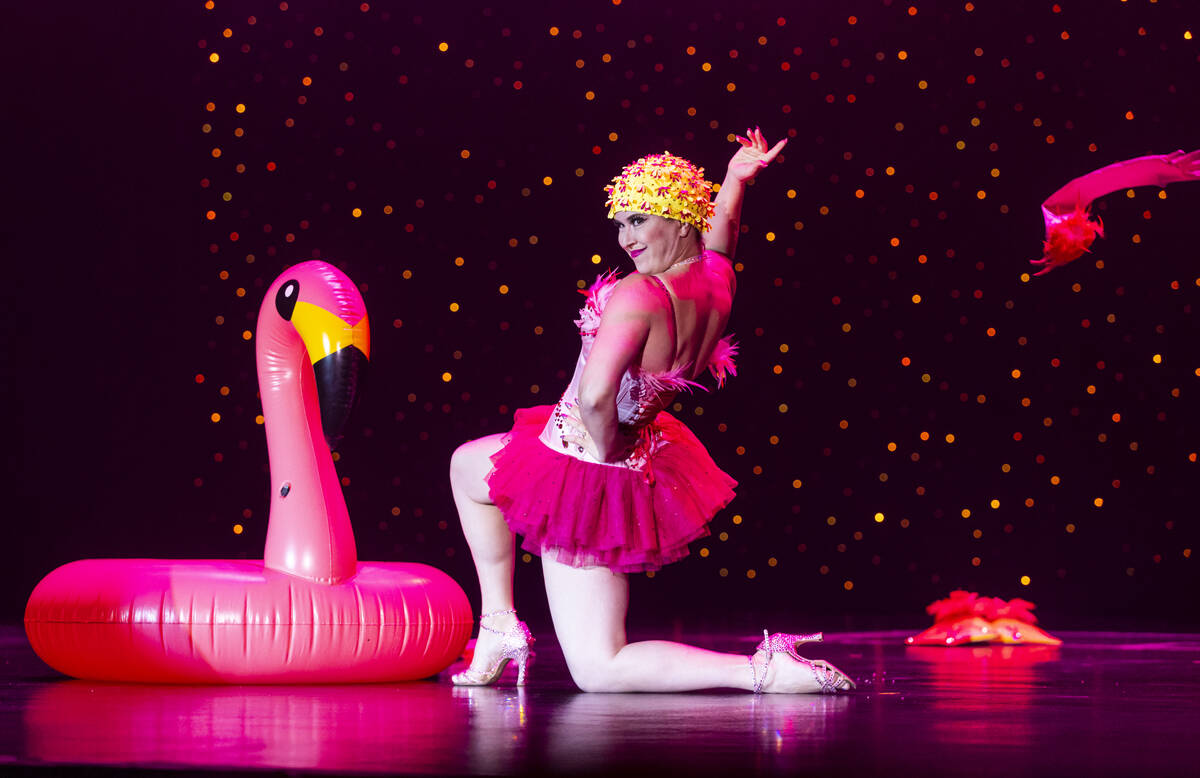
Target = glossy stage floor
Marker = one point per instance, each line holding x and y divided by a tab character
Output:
1102	704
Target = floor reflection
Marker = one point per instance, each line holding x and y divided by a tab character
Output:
412	727
415	727
984	694
593	731
495	734
983	710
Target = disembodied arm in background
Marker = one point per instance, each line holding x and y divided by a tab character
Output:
1070	229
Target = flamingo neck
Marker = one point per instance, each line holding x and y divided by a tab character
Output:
308	533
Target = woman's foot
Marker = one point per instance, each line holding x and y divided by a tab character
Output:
502	638
777	668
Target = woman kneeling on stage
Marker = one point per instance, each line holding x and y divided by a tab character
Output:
606	482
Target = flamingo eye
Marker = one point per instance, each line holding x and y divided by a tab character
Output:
285	299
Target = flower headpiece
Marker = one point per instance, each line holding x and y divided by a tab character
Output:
663	185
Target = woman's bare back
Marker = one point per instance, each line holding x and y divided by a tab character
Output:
702	297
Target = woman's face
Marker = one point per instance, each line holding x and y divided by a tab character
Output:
654	243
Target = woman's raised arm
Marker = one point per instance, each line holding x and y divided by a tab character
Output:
747	162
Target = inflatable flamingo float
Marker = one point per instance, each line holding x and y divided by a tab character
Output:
309	612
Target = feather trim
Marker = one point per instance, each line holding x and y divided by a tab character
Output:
598	295
672	381
963	604
721	364
1068	236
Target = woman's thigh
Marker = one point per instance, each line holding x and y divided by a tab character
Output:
470	465
588	606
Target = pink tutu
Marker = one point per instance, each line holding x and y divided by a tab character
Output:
600	515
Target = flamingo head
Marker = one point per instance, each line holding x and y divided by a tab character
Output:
327	315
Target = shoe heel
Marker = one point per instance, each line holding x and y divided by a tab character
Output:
524	660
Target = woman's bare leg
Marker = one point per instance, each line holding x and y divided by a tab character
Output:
588	606
488	536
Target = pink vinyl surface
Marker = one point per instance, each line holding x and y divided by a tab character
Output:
309	612
234	621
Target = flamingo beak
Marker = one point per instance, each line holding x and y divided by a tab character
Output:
339	352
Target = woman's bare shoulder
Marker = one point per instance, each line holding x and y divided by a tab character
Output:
636	293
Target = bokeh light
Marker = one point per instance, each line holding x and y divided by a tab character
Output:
897	359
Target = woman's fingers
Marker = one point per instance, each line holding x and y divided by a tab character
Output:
774	152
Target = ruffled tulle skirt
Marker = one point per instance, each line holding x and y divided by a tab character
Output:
590	514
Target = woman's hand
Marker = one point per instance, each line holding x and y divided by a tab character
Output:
753	156
575	434
1185	166
749	160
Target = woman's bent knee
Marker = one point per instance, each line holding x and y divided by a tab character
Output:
469	465
460	461
593	675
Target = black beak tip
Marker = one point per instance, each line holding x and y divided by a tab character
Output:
340	379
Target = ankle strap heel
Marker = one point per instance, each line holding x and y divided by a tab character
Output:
515	645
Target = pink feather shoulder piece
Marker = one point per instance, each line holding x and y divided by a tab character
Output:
598	295
721	364
669	382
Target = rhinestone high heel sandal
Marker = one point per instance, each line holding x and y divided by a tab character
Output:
515	645
830	680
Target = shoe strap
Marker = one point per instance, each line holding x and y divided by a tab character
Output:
483	626
758	682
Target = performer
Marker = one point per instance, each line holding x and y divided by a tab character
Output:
605	482
1070	230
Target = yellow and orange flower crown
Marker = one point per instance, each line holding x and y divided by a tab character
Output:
663	185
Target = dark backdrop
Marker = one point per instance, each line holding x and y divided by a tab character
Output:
912	413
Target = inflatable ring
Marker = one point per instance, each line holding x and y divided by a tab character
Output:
309	612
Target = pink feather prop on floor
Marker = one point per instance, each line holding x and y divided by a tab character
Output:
965	618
